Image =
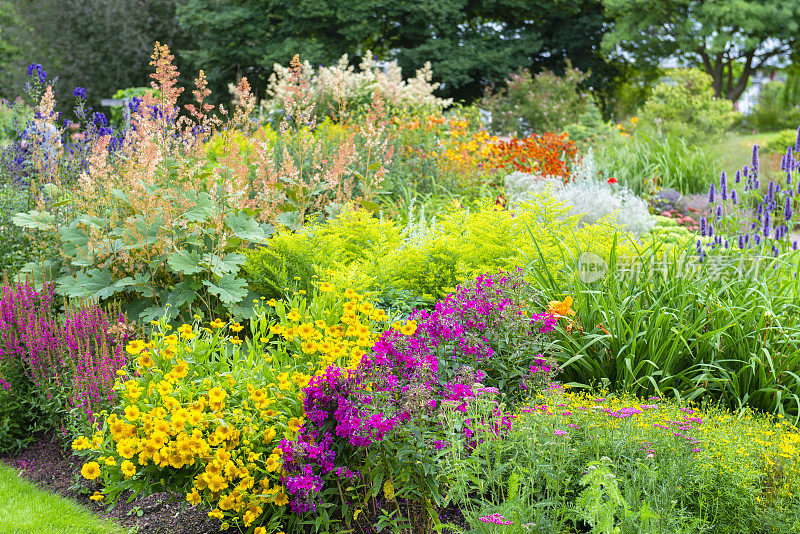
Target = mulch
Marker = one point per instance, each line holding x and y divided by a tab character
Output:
47	465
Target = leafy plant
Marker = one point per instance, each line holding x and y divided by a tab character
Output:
686	108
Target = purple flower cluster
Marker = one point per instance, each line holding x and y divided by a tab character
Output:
410	381
772	216
76	356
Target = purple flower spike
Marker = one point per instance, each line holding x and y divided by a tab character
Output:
741	242
794	245
737	177
734	197
703	227
767	226
755	160
787	210
797	141
723	186
711	194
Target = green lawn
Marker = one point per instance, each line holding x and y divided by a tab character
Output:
25	509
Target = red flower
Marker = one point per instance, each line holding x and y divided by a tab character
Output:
612	180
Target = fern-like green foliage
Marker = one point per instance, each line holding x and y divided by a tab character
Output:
601	502
286	264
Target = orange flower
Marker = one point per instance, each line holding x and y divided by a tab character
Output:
562	308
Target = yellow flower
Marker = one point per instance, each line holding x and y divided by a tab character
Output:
325	287
128	469
81	443
97	496
235	340
295	424
272	302
145	361
409	328
90	470
236	327
217	323
131	413
293	315
260	530
562	308
281	499
194	497
217	394
135	347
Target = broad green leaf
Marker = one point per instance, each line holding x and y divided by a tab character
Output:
246	227
87	283
229	289
35	220
203	209
290	219
227	265
185	261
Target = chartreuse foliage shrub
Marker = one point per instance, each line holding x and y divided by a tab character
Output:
426	260
204	413
622	464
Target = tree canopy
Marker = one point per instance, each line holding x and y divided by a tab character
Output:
728	39
470	43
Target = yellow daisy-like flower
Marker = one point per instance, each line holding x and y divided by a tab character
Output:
90	470
135	347
97	496
128	469
194	497
235	340
325	287
236	327
81	443
260	530
131	413
217	323
272	302
293	315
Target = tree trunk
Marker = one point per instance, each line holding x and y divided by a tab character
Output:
734	93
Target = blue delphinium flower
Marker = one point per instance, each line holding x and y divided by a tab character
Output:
99	119
79	93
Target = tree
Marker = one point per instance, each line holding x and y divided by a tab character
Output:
470	43
101	45
728	39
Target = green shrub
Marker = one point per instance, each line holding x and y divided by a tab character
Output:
545	102
781	141
426	260
771	113
686	107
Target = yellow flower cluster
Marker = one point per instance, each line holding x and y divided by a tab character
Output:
205	417
757	451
